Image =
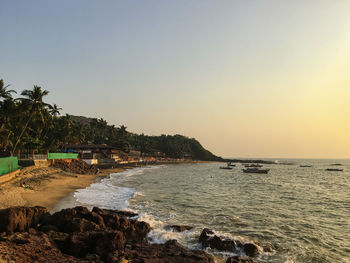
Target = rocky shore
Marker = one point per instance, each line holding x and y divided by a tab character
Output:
31	234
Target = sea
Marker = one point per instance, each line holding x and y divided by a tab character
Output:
303	212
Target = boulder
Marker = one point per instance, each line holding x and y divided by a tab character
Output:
132	229
205	235
209	239
20	218
250	249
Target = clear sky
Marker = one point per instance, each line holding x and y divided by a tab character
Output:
246	78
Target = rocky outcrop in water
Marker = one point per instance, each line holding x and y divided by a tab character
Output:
209	239
80	235
251	250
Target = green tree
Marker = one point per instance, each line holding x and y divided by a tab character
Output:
4	93
33	100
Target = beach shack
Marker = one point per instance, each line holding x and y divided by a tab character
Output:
94	153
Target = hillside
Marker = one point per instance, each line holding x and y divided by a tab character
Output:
175	146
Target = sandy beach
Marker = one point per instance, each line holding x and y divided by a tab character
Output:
47	186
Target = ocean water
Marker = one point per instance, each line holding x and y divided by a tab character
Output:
303	212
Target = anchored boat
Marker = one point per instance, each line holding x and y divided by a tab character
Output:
256	170
226	167
334	170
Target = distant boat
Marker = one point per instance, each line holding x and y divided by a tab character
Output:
226	167
337	164
334	170
231	164
256	170
305	165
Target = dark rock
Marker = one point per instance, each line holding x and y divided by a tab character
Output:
208	239
59	238
37	247
238	259
98	236
179	228
80	219
132	229
73	220
20	218
100	243
238	244
170	252
250	249
205	235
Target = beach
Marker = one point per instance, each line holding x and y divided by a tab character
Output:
46	186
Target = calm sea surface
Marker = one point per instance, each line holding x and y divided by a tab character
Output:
303	212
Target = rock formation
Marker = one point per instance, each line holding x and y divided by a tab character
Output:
80	235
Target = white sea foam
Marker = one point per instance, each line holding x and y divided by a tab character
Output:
160	236
107	193
152	221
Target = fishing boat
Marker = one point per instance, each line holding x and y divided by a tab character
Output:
231	164
256	170
334	170
226	167
305	165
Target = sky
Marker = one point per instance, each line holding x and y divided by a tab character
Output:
245	78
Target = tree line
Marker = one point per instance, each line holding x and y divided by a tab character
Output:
30	125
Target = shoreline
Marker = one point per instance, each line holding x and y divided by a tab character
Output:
47	186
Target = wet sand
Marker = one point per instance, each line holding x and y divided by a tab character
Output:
48	186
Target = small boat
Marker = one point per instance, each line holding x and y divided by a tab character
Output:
336	164
334	170
231	164
305	165
226	167
256	170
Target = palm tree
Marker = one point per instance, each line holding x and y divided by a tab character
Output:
4	93
33	99
55	110
8	113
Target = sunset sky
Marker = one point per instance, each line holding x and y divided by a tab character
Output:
245	78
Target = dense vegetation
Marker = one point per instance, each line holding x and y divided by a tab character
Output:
28	124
